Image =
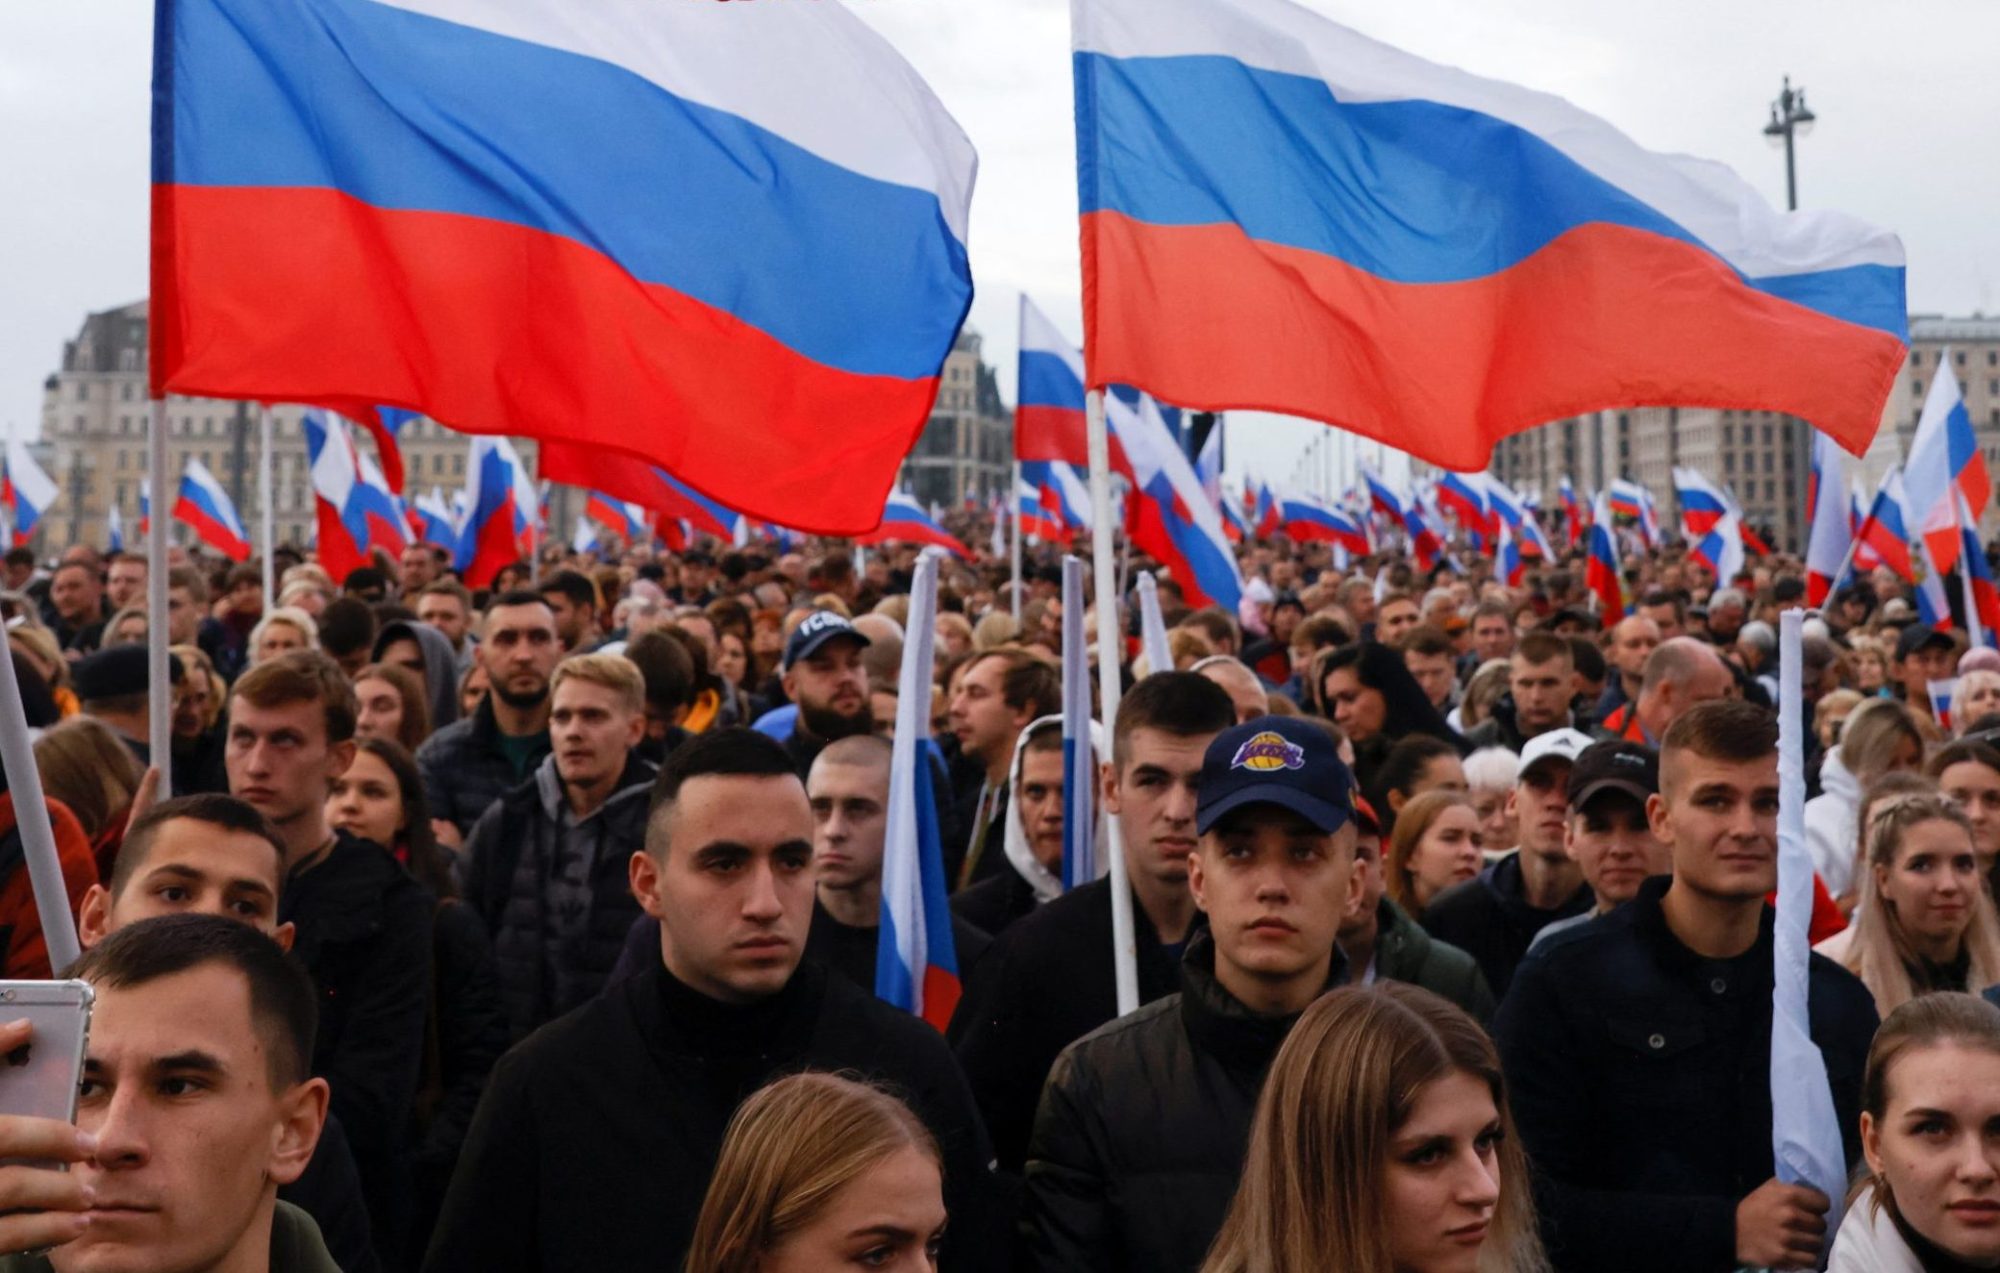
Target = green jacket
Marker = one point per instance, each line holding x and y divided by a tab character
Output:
1405	952
295	1248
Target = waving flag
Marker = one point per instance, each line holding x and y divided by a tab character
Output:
647	485
385	425
1944	455
26	490
1167	514
622	518
905	520
114	525
1828	534
1629	499
1035	522
1049	420
1703	503
1424	540
336	473
1260	185
1573	519
1982	601
1933	606
496	488
1507	563
1305	518
584	541
1466	497
916	967
205	507
1235	523
1600	571
1721	549
1884	535
437	525
1382	497
710	236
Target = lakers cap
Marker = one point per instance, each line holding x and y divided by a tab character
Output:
1283	760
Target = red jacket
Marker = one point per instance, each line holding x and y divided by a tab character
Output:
27	950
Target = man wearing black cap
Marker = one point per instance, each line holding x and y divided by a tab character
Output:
1923	655
1608	835
111	685
1139	1141
823	675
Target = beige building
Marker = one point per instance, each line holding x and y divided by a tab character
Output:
967	449
1973	347
93	443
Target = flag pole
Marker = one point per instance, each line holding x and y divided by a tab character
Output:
159	686
31	809
268	534
1124	953
535	521
1152	627
1014	498
1974	637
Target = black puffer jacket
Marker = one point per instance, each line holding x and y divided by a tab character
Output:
1138	1145
464	769
508	861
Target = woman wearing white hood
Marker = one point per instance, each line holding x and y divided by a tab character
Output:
1880	737
1034	831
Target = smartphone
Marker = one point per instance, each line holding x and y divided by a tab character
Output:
42	1076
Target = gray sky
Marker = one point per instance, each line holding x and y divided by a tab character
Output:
1906	94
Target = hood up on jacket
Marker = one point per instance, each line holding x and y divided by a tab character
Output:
1046	883
440	666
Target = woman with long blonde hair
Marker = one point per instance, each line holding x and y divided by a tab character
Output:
1926	922
1382	1144
818	1171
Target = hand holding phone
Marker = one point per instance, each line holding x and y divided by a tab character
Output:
40	1206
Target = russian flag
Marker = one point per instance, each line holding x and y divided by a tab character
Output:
904	519
1304	518
1049	422
1080	863
1978	578
1029	499
1382	497
708	235
1702	502
1268	516
1235	523
1629	499
495	484
114	525
1857	513
336	473
626	520
916	967
436	524
1721	549
584	541
1884	533
26	490
1507	562
1424	540
1944	455
204	506
1070	495
1828	532
385	425
1933	606
1466	497
1167	514
1572	511
1251	158
637	482
1600	571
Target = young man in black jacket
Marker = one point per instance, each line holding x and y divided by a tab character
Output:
1638	1046
363	926
1139	1142
593	1145
470	763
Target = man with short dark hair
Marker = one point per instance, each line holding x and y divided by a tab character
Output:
573	600
1608	835
1139	1140
1432	659
347	633
1048	980
1541	680
198	1097
1492	632
1395	615
596	1138
1382	942
111	686
469	763
668	668
1637	1048
1923	654
364	926
999	692
447	606
416	570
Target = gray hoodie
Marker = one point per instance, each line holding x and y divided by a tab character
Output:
440	666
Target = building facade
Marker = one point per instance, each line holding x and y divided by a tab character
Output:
966	451
94	444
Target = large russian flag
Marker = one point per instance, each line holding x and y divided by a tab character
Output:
714	236
1280	213
205	507
1049	421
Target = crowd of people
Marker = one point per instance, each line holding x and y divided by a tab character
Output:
537	927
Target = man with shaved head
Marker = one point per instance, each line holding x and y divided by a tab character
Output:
1632	643
1678	675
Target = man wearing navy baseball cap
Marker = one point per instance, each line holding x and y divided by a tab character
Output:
1142	1128
823	674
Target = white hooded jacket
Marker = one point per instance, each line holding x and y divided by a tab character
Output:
1046	883
1869	1243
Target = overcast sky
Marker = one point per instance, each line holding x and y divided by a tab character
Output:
1907	94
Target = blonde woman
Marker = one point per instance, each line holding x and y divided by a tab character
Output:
1926	922
821	1172
1435	844
280	632
1977	695
38	645
1382	1144
1880	737
86	766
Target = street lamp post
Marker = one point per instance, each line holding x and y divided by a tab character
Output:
1792	118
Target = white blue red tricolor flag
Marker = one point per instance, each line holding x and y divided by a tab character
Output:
1049	419
26	490
1944	457
1167	513
711	236
1260	186
916	967
905	520
355	509
204	507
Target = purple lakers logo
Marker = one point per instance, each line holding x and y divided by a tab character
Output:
1269	751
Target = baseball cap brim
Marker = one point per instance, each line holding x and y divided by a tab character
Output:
1602	785
1324	814
807	650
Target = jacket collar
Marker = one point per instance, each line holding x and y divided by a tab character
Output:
636	780
679	1023
1220	1023
1650	921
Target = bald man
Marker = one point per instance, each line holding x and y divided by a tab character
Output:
1239	682
1632	643
1676	676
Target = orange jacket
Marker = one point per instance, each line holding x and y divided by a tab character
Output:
27	950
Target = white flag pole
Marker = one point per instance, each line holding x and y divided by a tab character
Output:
159	685
1152	627
267	534
1124	951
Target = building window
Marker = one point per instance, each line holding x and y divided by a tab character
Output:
1916	388
1960	357
1916	358
82	391
1729	462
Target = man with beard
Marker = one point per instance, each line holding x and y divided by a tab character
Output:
824	676
469	763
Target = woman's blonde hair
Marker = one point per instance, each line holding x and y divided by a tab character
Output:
1351	1071
1412	824
195	659
1881	953
290	616
86	765
1873	732
42	643
790	1150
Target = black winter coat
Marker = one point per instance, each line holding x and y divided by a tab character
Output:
594	1143
1043	984
464	769
1139	1141
1488	917
508	864
364	933
1639	1074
